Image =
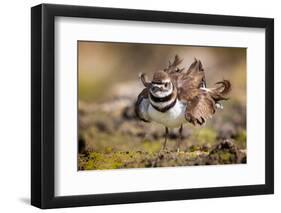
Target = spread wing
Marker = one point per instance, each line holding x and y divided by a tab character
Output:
189	83
201	103
200	108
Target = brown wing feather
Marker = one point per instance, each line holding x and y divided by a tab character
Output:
173	67
188	83
202	105
141	96
200	108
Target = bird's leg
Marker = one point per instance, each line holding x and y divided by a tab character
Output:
180	139
166	138
159	155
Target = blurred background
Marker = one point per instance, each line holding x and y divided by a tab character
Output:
109	85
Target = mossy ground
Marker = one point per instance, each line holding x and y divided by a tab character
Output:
118	140
117	151
138	159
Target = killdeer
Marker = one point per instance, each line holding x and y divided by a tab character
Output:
175	97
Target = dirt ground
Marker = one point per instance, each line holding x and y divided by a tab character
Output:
110	137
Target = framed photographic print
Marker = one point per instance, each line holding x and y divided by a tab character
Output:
139	106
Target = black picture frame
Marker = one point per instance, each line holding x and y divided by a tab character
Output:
43	102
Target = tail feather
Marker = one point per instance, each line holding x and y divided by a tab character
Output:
219	93
173	66
224	87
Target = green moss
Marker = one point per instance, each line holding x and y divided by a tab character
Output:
114	160
204	135
89	165
102	161
192	155
241	139
194	148
224	157
105	142
151	147
108	149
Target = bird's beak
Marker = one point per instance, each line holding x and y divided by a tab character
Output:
155	89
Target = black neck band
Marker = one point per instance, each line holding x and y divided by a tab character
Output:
166	108
163	99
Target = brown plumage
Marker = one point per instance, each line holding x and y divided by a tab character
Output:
201	103
160	76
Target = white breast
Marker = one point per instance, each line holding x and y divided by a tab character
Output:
172	118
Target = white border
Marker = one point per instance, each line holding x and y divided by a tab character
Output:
70	182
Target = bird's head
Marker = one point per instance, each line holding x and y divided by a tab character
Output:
161	85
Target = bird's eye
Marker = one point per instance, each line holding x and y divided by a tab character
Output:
166	85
